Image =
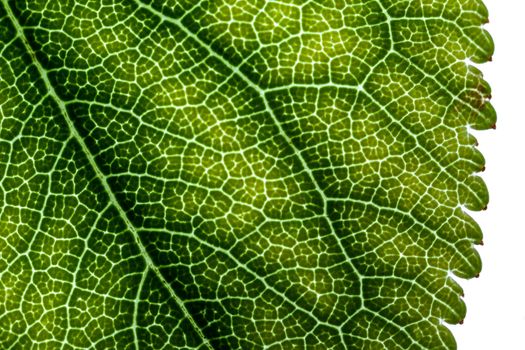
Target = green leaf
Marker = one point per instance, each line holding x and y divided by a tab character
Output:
239	174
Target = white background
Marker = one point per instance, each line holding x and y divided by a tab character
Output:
496	300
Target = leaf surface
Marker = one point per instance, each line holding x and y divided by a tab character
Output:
239	174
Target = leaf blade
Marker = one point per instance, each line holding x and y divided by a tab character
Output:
222	184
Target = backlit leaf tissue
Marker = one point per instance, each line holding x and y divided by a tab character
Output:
239	174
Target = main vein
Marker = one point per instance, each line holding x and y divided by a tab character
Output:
74	132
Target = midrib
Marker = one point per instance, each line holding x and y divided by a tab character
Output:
113	200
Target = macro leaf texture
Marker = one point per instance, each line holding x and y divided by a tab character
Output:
239	174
